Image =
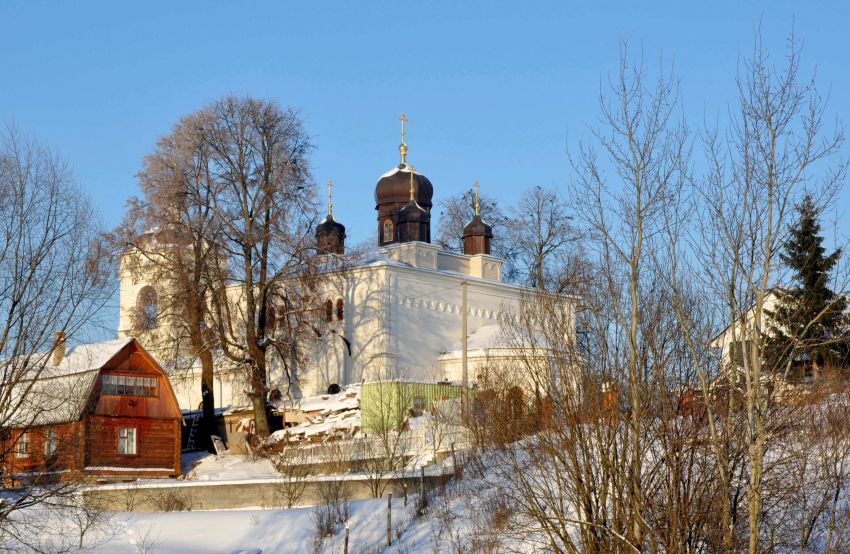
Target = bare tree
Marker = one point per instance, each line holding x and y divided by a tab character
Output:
457	210
645	146
265	209
56	275
759	169
171	238
386	444
542	230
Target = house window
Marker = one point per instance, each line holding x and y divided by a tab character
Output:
50	443
329	311
22	447
125	385
148	308
339	309
127	441
388	230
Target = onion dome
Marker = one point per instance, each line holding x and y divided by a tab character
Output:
414	221
330	234
477	235
394	191
393	188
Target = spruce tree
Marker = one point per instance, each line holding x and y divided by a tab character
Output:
809	324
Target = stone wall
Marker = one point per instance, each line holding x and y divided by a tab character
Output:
268	493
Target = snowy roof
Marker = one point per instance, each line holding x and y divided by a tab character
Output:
484	337
404	169
59	393
328	415
94	355
491	337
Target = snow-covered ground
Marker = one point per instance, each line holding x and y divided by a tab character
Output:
462	514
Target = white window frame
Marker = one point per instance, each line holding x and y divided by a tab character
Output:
127	441
50	442
22	446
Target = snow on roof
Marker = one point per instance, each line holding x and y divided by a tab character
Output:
58	393
48	400
328	415
491	337
405	168
484	337
91	356
346	399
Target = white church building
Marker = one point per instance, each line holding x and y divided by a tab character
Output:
393	313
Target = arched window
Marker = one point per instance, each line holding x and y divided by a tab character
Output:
148	308
339	309
329	311
388	230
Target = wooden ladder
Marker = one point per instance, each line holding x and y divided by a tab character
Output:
193	431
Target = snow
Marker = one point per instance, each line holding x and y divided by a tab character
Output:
483	337
126	469
232	467
91	356
336	415
404	168
237	531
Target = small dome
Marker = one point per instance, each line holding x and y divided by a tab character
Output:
412	213
477	228
329	225
394	188
330	236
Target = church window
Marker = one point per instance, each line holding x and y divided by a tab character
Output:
148	308
329	311
388	230
339	309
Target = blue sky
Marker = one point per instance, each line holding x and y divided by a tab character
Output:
495	91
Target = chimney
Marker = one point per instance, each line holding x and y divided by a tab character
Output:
59	348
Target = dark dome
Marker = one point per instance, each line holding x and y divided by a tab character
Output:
412	212
394	188
477	228
329	225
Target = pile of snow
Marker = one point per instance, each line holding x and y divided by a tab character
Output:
327	416
232	467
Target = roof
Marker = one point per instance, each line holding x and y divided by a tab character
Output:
394	187
59	394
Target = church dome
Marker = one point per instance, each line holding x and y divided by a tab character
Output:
394	188
477	228
412	213
330	226
330	236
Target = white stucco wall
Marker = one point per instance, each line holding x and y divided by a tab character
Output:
402	310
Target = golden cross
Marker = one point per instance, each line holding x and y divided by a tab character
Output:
330	198
476	197
402	148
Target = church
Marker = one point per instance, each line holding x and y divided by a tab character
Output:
393	313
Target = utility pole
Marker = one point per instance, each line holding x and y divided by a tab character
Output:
465	399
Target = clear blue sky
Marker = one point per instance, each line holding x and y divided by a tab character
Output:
493	89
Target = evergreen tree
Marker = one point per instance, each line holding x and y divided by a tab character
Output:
809	323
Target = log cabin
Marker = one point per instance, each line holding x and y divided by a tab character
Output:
106	411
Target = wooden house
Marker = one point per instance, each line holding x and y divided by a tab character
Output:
107	410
